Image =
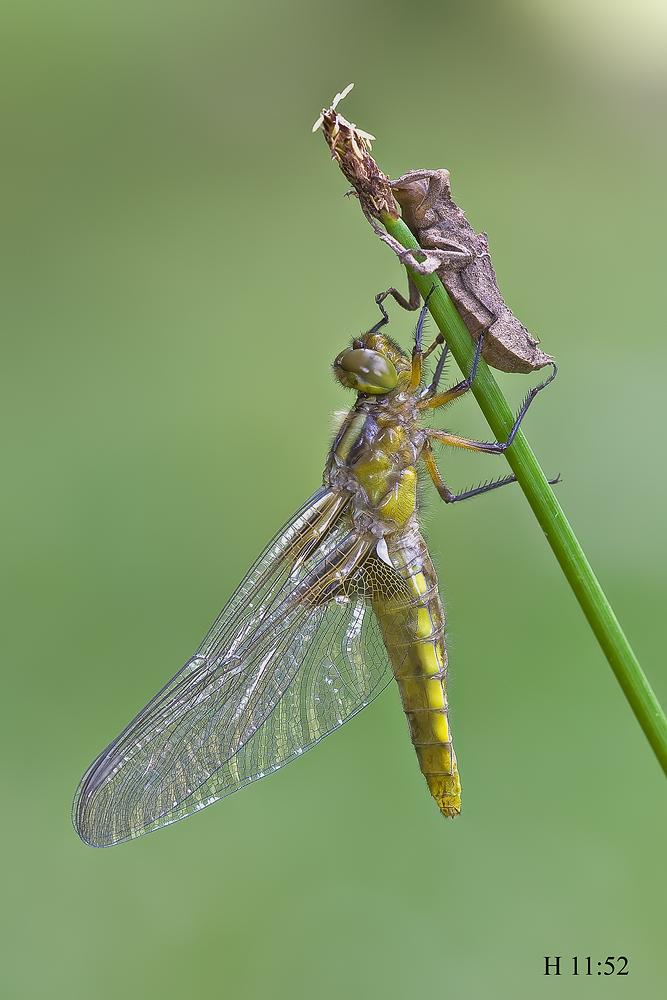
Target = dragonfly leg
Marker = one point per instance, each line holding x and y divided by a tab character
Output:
432	399
379	299
417	352
449	496
431	389
493	447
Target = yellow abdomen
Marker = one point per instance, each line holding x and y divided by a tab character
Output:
413	628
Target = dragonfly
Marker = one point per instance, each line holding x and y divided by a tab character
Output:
343	599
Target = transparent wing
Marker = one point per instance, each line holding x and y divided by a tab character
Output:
294	654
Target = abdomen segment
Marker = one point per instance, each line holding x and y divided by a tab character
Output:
413	627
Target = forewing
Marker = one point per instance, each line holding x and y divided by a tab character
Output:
293	655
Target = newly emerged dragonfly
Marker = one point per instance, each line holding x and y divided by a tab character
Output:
341	599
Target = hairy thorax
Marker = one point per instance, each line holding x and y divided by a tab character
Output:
374	458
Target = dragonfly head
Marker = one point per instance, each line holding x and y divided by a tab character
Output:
372	365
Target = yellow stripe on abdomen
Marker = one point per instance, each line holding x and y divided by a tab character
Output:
414	635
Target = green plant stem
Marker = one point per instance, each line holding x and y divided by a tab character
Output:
546	508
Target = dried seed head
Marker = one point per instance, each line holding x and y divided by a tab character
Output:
350	147
334	104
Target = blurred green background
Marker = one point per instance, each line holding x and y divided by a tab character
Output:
180	268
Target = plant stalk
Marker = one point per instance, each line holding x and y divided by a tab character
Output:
546	508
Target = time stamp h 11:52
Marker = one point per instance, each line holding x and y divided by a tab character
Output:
556	965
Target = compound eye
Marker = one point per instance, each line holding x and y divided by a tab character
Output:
366	371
